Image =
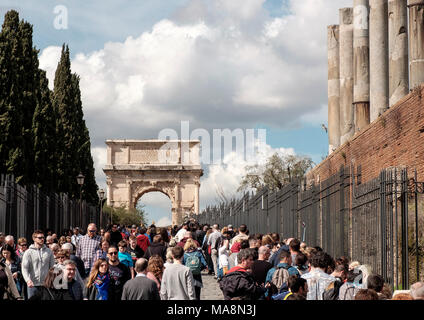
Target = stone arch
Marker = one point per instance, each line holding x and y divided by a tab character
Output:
134	168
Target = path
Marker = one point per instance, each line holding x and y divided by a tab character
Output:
210	290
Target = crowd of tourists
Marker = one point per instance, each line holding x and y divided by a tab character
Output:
150	263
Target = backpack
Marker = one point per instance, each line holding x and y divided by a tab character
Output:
280	278
332	291
193	263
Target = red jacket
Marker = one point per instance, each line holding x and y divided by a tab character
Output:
143	242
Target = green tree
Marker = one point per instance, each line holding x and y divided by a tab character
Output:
75	155
277	172
18	62
125	216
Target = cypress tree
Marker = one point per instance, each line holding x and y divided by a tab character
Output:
75	157
43	131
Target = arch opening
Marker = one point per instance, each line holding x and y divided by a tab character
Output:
157	205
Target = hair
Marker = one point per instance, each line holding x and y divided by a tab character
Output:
66	262
143	230
51	276
132	238
352	274
169	255
10	249
275	237
61	253
34	234
403	296
375	282
366	294
320	260
157	238
295	296
68	246
190	244
155	266
417	290
113	247
244	244
243	228
177	252
295	283
263	249
164	235
309	252
295	245
122	244
267	240
22	240
301	260
141	265
284	255
342	260
245	254
95	271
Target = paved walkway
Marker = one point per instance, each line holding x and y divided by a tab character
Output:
210	290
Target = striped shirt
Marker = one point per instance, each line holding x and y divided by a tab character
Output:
87	248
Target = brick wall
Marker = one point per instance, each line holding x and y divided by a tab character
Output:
395	139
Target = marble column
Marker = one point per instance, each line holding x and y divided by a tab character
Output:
347	128
333	87
361	64
398	51
379	58
416	43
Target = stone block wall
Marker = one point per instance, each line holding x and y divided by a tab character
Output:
396	138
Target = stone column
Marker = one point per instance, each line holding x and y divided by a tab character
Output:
398	51
379	58
361	64
130	205
416	42
347	128
333	88
109	192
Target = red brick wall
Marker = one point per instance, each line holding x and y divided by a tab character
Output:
395	139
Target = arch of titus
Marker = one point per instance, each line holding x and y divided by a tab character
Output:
136	167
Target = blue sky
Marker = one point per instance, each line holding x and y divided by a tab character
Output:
94	26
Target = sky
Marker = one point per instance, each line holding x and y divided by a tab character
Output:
148	65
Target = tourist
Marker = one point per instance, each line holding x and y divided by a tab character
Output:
101	251
22	247
10	273
278	276
140	288
75	238
87	247
115	235
294	247
69	249
238	283
195	261
36	263
142	240
223	254
318	279
242	235
350	288
156	248
10	241
134	250
366	294
214	243
302	264
62	257
296	286
180	234
98	283
155	269
125	258
119	274
177	279
376	282
261	266
417	290
53	288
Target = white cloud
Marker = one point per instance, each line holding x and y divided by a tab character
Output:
164	222
219	64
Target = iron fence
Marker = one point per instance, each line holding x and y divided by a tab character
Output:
24	209
368	222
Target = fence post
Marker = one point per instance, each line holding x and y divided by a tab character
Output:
382	215
404	223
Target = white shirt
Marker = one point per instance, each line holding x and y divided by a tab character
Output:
223	257
180	235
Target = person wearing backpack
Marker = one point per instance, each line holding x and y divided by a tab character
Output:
194	260
278	276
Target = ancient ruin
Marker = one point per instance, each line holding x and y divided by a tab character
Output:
136	167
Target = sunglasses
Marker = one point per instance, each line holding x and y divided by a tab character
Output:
91	230
113	253
40	237
23	245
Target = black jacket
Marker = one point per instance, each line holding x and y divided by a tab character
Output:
240	285
155	248
51	294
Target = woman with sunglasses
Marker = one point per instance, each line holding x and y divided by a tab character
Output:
98	283
22	247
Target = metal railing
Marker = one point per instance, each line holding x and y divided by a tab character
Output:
368	222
